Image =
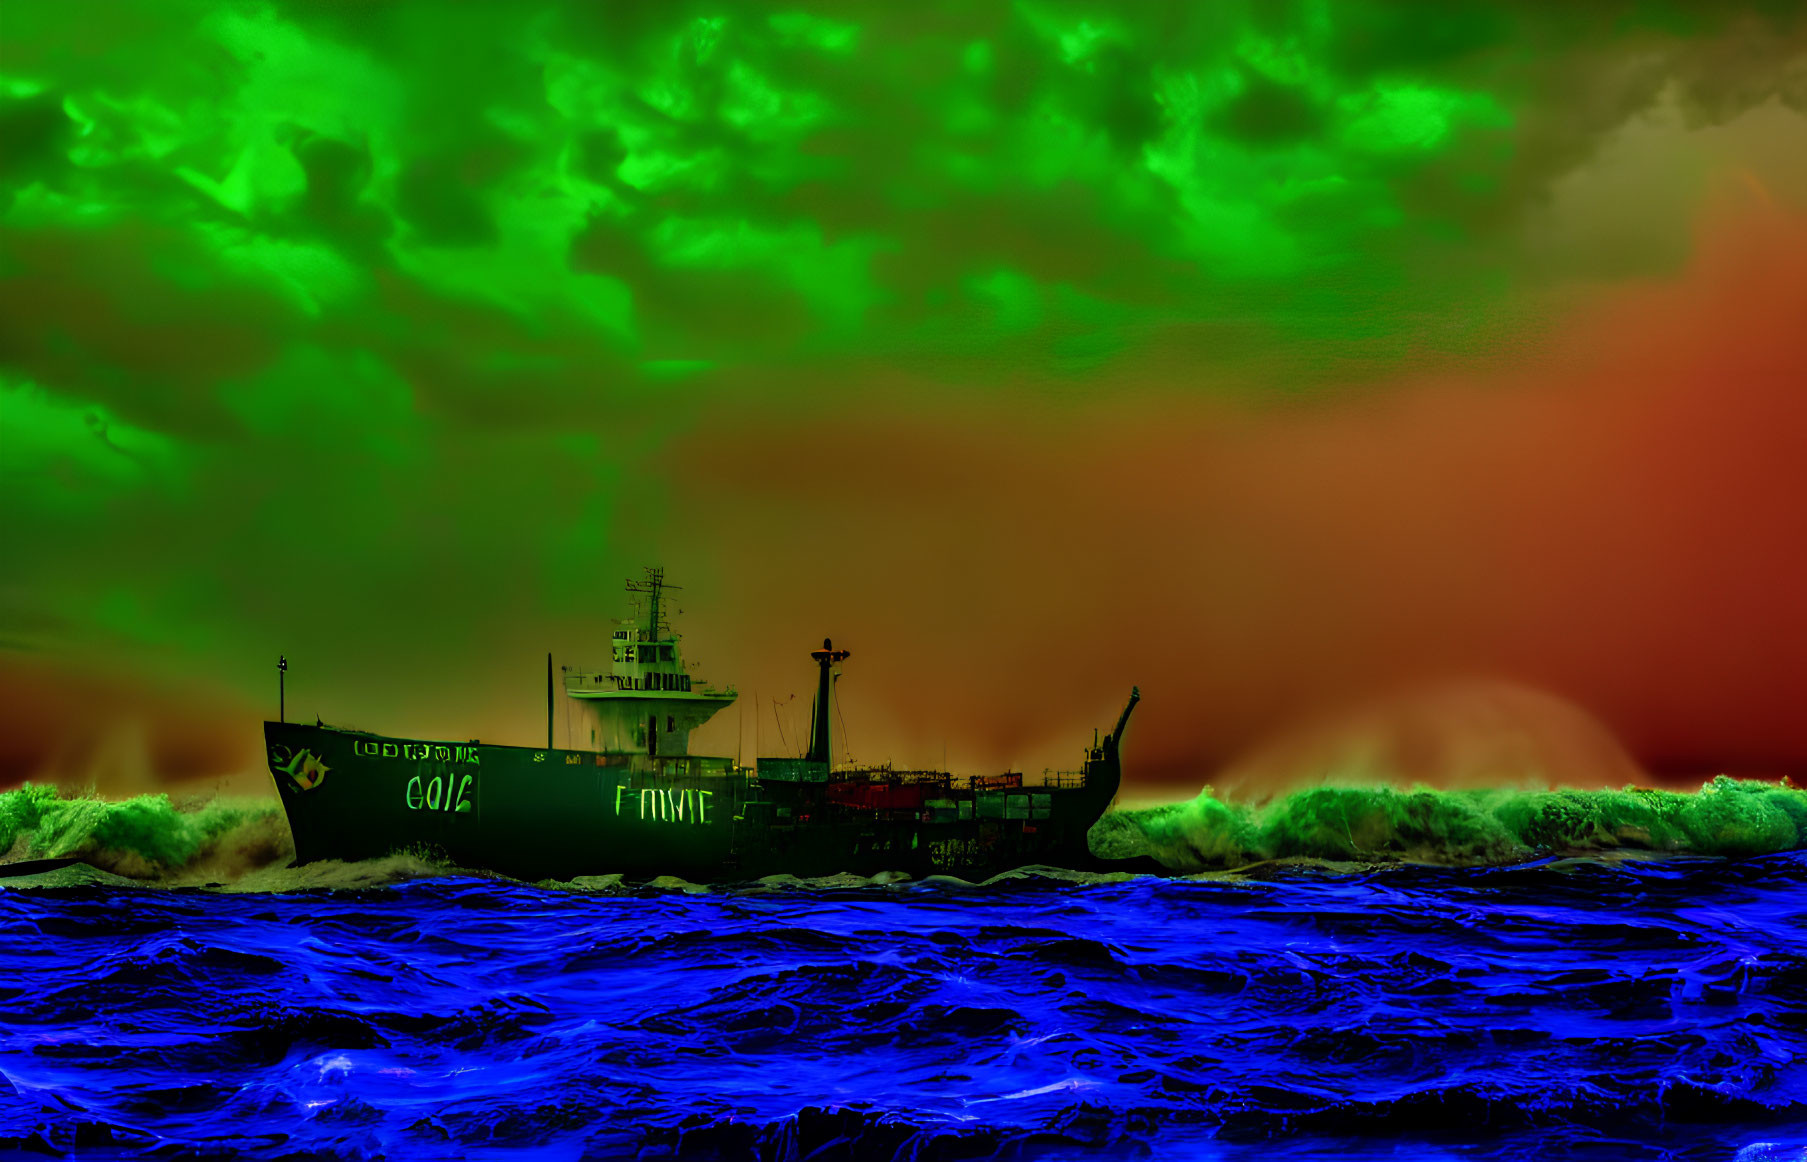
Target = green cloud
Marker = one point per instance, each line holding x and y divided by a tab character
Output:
434	282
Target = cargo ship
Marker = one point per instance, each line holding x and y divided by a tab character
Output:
629	798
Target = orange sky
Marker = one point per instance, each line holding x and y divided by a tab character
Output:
1616	516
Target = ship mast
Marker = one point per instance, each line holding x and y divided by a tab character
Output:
654	586
819	741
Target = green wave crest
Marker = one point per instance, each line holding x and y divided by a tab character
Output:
144	837
1725	817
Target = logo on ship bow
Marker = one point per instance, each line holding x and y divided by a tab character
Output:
306	769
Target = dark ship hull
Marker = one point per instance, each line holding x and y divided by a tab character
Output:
559	814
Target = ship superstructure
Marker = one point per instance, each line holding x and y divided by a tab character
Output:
643	708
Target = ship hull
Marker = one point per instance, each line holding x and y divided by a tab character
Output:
558	814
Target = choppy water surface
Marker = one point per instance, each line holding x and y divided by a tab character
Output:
1563	1010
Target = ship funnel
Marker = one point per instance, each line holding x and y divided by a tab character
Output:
820	743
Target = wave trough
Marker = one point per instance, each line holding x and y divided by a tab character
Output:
1641	1011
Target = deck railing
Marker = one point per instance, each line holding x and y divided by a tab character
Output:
587	680
1008	781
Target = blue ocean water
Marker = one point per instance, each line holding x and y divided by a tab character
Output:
1588	1010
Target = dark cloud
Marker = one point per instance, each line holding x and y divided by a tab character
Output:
34	141
116	317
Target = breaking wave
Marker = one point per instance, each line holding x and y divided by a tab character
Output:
148	838
245	843
1726	817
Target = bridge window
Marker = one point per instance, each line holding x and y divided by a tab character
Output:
671	722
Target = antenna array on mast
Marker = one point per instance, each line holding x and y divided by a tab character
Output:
653	587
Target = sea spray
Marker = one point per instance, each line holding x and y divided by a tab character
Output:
1726	817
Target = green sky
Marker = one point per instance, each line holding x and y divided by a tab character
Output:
374	332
